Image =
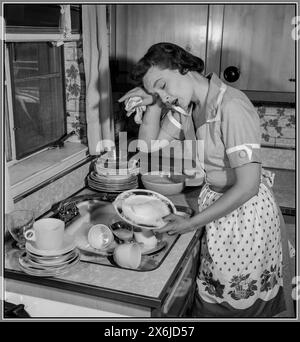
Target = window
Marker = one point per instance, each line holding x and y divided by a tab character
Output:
47	17
37	94
35	114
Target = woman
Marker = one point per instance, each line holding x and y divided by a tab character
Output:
241	272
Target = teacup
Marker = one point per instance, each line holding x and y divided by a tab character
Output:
47	233
100	236
128	255
146	238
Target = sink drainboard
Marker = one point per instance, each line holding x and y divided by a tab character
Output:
89	211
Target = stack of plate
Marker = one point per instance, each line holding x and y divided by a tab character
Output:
113	175
46	263
113	183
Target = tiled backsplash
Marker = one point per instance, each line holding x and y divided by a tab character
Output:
278	126
75	91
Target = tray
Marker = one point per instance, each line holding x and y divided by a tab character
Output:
93	211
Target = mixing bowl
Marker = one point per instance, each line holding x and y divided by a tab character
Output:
164	184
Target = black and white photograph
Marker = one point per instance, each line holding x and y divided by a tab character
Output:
149	163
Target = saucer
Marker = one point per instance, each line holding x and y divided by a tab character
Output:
160	245
88	249
40	271
68	245
55	261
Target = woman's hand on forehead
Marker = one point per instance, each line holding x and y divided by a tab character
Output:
140	92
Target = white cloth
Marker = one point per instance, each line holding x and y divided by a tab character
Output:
132	105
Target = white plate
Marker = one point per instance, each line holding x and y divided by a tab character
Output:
115	178
68	245
88	249
160	245
54	262
40	271
138	192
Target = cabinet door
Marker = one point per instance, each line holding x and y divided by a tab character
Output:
257	40
140	26
181	295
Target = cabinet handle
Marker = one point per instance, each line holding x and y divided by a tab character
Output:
292	79
231	74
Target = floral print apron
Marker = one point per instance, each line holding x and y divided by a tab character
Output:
241	258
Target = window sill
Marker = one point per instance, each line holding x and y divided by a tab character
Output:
39	37
38	168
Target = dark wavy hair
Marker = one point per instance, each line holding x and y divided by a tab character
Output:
166	56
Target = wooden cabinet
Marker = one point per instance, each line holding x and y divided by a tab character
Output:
140	26
180	300
256	39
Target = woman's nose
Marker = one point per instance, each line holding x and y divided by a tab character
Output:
169	99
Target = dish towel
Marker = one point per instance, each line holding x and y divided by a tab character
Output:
133	105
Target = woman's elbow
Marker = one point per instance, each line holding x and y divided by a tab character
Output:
250	191
254	189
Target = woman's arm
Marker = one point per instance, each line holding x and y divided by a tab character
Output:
245	187
151	136
150	126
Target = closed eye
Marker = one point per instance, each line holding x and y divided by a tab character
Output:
163	86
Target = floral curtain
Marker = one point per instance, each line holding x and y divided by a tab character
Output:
100	123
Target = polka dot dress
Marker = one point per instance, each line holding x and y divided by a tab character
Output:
241	255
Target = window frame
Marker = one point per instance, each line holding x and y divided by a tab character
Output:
9	98
14	36
73	158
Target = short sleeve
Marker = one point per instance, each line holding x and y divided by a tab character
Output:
172	127
241	132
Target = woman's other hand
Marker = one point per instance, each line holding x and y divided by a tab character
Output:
176	225
147	99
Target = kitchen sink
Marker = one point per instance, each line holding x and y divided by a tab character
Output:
83	211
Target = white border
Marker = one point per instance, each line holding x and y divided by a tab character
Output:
297	85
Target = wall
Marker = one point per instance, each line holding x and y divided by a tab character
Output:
278	125
278	128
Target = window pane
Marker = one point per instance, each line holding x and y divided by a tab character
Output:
40	16
76	18
32	15
34	59
38	96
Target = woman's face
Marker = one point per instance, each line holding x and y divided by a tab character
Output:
170	85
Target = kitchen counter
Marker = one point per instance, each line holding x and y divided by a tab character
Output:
285	189
120	291
141	293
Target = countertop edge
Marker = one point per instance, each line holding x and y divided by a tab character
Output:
104	292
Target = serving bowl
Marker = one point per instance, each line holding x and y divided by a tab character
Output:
163	183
